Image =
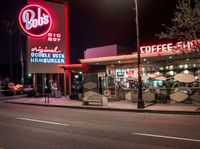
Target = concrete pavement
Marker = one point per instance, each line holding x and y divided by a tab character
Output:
40	127
65	102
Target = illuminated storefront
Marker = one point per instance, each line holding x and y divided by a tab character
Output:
160	64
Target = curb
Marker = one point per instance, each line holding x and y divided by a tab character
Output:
111	109
11	97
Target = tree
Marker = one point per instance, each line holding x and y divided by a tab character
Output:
9	26
185	24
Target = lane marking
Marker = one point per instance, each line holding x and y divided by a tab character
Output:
167	137
41	121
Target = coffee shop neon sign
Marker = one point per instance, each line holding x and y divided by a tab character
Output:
170	47
35	20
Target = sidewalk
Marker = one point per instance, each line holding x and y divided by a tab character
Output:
175	108
11	97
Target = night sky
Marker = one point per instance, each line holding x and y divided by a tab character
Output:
95	23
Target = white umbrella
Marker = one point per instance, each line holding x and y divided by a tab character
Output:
157	77
199	77
161	78
185	78
153	75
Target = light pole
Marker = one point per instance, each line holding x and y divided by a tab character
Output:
21	60
140	100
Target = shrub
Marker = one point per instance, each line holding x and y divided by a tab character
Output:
31	93
37	94
163	98
8	92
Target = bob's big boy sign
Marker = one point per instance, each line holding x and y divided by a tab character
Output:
35	20
46	27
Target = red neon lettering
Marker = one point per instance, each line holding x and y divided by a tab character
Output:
148	49
189	45
45	50
179	45
164	47
159	48
142	49
192	44
169	47
153	49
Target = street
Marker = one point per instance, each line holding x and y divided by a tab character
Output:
38	127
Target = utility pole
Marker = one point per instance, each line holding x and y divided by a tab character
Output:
140	100
21	60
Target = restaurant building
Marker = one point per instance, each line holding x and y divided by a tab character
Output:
170	72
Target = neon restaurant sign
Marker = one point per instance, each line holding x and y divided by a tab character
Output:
170	47
35	20
45	25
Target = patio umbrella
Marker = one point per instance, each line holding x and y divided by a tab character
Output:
185	78
199	77
153	75
161	78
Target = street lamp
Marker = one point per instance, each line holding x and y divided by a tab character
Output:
140	100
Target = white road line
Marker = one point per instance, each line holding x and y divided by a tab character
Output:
41	121
167	137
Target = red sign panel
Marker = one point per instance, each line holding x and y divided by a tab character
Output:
35	20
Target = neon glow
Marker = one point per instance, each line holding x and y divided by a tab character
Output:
44	23
46	55
45	50
35	20
169	47
156	48
54	37
45	60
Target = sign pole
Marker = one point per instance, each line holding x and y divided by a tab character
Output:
140	100
65	85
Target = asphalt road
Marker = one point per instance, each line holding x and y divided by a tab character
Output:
32	127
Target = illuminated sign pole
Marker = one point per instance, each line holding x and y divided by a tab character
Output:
140	100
